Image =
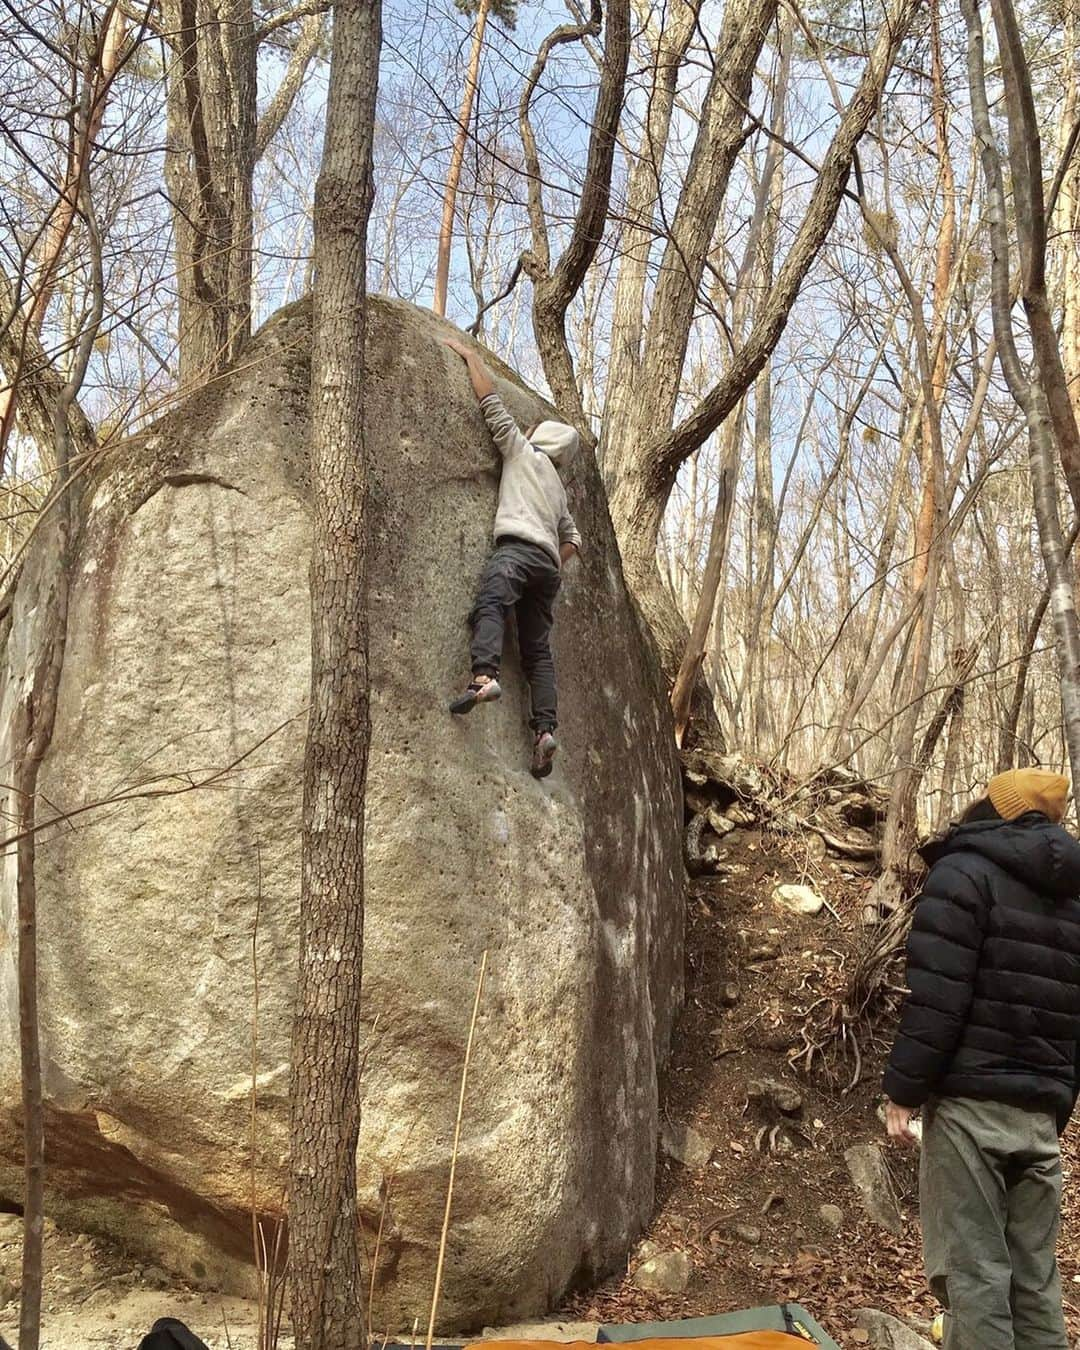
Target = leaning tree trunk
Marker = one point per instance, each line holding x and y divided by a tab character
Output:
324	1257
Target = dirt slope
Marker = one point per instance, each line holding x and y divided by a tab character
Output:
751	1219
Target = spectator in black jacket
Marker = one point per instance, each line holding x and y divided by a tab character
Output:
989	1046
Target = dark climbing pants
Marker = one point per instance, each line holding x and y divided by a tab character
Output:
521	577
990	1194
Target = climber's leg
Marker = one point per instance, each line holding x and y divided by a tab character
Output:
502	583
535	617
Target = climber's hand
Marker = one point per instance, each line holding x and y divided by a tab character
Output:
898	1123
459	347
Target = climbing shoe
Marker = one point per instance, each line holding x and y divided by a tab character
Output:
479	691
543	756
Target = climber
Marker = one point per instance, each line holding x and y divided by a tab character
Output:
989	1047
535	536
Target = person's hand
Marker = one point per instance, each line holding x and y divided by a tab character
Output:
898	1123
459	347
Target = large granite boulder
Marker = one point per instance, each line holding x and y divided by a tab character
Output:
187	674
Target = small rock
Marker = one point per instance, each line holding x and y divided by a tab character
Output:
718	822
772	1092
887	1333
647	1250
155	1277
832	1216
11	1226
729	995
870	1173
667	1273
88	1270
763	951
746	1232
9	1292
739	814
798	899
685	1145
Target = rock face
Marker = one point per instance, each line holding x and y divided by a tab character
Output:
188	662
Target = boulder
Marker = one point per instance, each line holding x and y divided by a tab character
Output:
188	660
870	1174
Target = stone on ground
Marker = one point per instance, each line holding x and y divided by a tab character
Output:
870	1174
776	1095
686	1145
798	899
888	1333
668	1273
188	652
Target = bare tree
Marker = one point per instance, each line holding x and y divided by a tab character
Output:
506	13
324	1258
644	444
214	142
556	285
1042	394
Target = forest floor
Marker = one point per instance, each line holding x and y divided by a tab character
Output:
751	1221
759	981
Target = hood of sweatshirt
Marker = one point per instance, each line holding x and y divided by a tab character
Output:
556	440
1032	849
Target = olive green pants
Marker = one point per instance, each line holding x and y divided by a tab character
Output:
990	1195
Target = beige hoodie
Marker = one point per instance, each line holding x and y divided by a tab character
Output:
532	498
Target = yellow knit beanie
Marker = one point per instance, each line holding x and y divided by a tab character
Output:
1018	791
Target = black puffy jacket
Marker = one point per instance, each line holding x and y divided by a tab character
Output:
994	971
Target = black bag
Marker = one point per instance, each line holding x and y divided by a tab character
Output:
168	1333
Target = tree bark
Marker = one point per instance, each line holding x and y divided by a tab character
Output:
209	170
324	1258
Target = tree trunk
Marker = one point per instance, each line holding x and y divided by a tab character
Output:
686	681
324	1257
35	720
209	169
1028	393
555	287
457	156
644	452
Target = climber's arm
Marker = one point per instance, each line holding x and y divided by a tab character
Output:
478	372
505	432
569	537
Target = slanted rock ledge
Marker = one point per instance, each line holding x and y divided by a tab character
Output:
188	646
